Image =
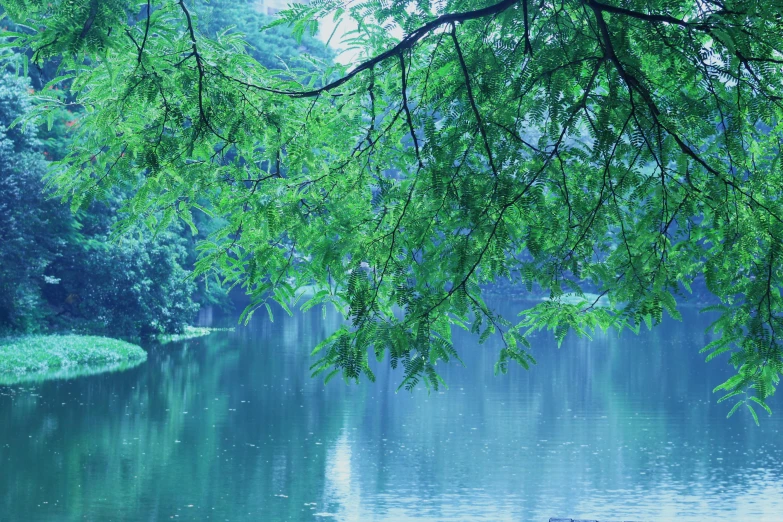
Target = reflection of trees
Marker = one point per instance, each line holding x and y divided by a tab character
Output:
132	443
619	413
590	417
67	372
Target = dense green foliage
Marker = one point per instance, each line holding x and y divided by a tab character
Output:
62	271
32	228
274	48
40	357
136	286
621	148
65	272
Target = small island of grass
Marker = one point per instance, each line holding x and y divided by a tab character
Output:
44	357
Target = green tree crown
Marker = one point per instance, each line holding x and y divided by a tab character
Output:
625	148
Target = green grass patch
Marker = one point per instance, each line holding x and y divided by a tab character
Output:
43	357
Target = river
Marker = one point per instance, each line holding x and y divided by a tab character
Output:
231	427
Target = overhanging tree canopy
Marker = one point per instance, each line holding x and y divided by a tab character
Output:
624	147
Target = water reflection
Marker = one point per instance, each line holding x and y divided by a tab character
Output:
231	427
67	372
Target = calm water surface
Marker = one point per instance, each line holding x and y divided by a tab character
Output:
231	427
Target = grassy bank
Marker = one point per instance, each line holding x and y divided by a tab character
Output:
40	357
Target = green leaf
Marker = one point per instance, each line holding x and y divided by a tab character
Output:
753	413
762	404
734	408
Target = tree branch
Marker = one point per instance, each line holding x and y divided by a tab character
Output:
472	99
146	30
406	43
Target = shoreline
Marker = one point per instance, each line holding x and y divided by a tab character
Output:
43	357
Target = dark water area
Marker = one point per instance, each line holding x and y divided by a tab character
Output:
232	427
